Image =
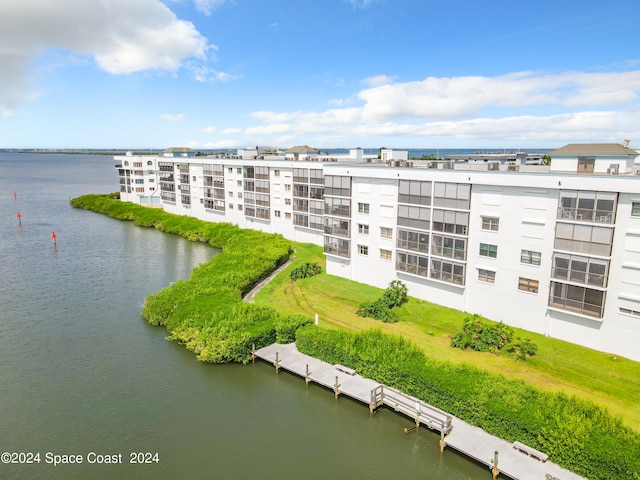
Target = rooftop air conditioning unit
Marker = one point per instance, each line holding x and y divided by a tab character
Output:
493	166
447	165
512	168
613	169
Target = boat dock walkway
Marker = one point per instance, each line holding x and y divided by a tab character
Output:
514	460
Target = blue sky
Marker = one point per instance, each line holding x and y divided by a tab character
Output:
327	73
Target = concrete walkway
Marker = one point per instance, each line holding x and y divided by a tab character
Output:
250	296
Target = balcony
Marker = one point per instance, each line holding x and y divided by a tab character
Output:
590	309
335	250
586	215
589	248
585	278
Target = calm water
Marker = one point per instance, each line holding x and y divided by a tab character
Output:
81	372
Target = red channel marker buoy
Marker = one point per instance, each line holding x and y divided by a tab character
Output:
54	236
15	196
19	219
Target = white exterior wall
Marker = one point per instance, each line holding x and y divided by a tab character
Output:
527	219
525	203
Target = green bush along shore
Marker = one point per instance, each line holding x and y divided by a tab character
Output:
206	314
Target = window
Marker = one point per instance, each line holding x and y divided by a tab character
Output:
450	222
576	268
340	207
490	223
363	229
363	208
530	257
238	182
240	207
231	206
193	178
287	201
239	194
587	301
301	220
230	170
386	232
276	213
450	247
587	206
486	276
487	250
363	250
635	209
412	263
628	311
385	254
528	285
416	241
276	173
231	194
337	186
447	271
452	195
287	187
592	240
149	163
414	217
287	215
337	246
415	192
239	170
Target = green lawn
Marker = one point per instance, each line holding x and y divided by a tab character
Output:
610	381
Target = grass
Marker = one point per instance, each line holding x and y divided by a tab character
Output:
610	381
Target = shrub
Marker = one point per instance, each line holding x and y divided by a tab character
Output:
306	270
483	336
287	326
382	308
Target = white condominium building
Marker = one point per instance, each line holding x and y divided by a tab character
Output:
551	249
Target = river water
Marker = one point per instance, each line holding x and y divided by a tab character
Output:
83	377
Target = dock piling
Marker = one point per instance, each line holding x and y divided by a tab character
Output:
335	389
277	363
253	353
495	470
306	376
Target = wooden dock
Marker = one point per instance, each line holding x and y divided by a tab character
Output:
512	461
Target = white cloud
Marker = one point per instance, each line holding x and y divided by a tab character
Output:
206	74
172	118
122	36
377	80
207	6
215	145
521	106
459	97
219	131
